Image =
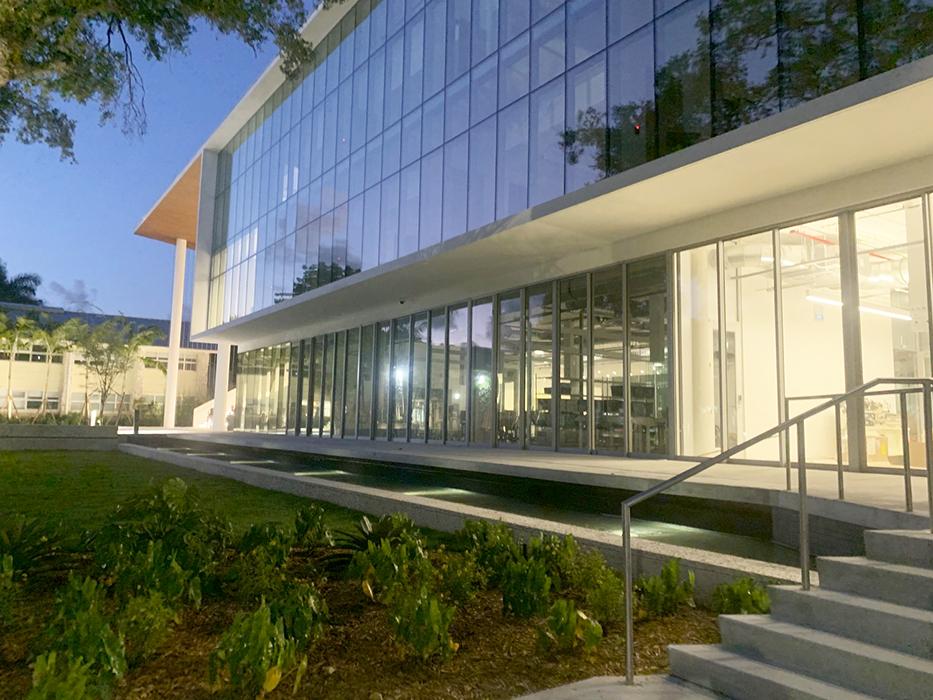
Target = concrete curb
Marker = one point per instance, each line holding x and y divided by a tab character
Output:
711	568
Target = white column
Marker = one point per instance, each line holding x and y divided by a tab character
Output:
174	334
221	374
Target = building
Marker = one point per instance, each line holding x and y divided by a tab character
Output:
67	388
641	228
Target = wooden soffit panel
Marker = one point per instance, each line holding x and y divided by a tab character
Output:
175	215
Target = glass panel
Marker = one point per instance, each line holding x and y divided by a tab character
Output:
366	381
646	281
419	376
481	405
508	369
609	359
400	379
512	168
350	394
388	234
435	17
339	360
383	378
513	18
437	409
573	357
458	39
683	85
585	141
625	16
327	404
410	186
485	28
316	386
812	319
894	323
294	369
414	63
546	157
751	343
699	352
483	90
458	359
482	187
539	334
586	29
455	186
547	49
306	377
514	70
432	188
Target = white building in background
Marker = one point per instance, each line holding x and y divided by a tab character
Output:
584	225
71	390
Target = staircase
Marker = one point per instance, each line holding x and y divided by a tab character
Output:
867	631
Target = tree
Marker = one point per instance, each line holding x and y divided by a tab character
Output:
110	350
14	336
56	338
85	51
20	289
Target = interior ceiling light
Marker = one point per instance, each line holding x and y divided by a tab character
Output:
784	261
862	308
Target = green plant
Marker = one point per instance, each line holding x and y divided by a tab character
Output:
62	677
311	528
154	570
386	566
145	624
558	554
9	590
565	628
254	655
394	528
274	539
302	611
525	588
459	576
421	621
493	545
744	596
665	593
29	542
606	602
252	576
81	628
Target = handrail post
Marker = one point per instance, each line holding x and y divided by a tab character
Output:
928	437
839	470
804	519
786	454
629	603
905	440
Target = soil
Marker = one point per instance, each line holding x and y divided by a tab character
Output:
357	658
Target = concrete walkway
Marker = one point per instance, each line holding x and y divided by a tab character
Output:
872	500
660	687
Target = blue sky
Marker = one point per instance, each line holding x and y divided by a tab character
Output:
73	223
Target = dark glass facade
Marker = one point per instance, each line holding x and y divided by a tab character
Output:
421	120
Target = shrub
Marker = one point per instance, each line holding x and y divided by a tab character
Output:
9	591
663	594
154	570
382	568
252	576
492	544
145	624
394	528
302	612
525	588
29	542
558	554
311	528
565	628
422	622
56	677
606	601
254	655
459	576
744	596
274	539
81	629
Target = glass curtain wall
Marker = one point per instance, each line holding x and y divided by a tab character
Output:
482	405
419	376
340	357
404	133
609	349
437	396
351	390
573	358
400	377
367	358
383	369
509	370
265	395
458	358
539	350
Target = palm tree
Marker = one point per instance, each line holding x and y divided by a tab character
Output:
56	338
20	289
13	337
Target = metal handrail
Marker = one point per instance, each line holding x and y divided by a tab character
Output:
797	422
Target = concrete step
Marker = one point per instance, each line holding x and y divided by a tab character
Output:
895	583
744	678
855	665
878	622
909	547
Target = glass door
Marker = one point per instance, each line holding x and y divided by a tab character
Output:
649	355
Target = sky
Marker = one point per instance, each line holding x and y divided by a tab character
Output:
73	224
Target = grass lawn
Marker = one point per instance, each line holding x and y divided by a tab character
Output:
357	655
79	489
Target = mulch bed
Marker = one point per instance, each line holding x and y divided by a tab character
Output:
358	657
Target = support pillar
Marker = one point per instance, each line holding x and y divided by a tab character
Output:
174	334
221	387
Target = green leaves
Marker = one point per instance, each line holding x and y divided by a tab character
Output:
62	677
422	622
493	545
663	594
311	528
385	567
566	629
28	542
744	596
302	611
525	588
145	624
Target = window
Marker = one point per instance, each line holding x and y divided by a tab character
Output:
514	70
457	373
383	379
625	16
350	392
631	101
586	29
512	166
539	335
514	16
435	18
508	370
400	378
458	39
482	408
485	28
437	379
586	120
482	185
483	86
410	193
419	377
547	49
366	381
432	188
573	356
388	235
546	157
455	187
